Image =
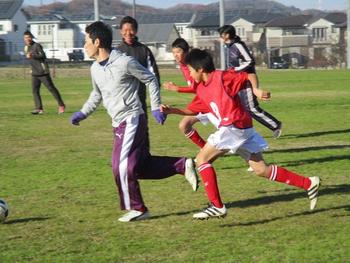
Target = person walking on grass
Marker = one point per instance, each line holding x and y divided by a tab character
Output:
40	74
239	58
115	79
217	93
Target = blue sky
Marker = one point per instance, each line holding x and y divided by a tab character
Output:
302	4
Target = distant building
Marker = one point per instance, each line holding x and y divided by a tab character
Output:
13	23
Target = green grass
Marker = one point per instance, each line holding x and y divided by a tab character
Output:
58	182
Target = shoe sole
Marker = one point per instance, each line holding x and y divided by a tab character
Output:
316	197
195	174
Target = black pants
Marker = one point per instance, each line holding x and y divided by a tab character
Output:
251	104
142	97
47	81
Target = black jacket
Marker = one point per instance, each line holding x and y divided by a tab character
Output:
38	61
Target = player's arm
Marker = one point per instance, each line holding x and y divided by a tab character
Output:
167	109
38	52
173	87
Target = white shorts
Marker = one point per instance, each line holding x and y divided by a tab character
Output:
241	141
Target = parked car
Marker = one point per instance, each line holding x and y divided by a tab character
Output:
279	63
76	55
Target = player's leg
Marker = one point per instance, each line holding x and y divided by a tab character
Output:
282	175
186	127
204	164
54	91
36	83
250	102
128	149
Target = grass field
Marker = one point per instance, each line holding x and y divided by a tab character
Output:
64	208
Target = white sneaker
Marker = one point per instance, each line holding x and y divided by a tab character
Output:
313	191
250	169
134	215
211	211
191	174
277	133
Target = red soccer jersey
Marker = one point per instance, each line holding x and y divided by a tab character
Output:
219	95
192	85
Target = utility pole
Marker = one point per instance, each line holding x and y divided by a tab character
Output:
222	22
348	30
96	10
134	9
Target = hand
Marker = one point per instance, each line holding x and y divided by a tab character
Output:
29	55
77	117
166	109
170	86
262	94
159	116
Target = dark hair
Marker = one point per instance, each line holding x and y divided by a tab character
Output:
230	30
101	31
181	43
28	33
129	20
200	59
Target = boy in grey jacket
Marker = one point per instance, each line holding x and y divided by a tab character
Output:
40	73
115	78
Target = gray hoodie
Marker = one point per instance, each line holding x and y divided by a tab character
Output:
116	84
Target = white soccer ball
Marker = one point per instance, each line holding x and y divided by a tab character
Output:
4	210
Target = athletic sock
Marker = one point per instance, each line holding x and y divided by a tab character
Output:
282	175
196	138
208	176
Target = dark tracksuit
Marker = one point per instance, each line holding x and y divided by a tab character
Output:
145	57
41	74
239	58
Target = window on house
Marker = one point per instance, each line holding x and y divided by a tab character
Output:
39	29
15	28
241	31
319	34
180	30
1	27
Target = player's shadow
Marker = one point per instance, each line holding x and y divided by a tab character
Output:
313	134
25	220
316	160
265	200
306	213
307	149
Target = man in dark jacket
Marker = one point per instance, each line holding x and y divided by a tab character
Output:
40	73
132	47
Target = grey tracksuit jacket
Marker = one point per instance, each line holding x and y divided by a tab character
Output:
116	85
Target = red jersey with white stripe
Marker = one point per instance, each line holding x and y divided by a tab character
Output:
219	96
192	86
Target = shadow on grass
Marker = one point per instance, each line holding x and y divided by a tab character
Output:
265	221
316	160
313	134
265	200
25	220
306	149
298	162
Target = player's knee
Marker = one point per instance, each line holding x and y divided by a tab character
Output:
185	126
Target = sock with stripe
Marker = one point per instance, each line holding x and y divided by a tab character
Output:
208	176
195	138
282	175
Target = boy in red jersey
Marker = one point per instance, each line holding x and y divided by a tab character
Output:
217	93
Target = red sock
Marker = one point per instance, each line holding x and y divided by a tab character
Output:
282	175
196	138
208	176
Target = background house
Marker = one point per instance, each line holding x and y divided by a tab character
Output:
13	23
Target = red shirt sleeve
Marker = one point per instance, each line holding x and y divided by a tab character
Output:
197	106
234	81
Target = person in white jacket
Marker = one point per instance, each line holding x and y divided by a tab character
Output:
115	79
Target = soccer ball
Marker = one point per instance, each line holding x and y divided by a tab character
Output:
4	210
